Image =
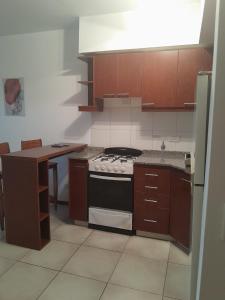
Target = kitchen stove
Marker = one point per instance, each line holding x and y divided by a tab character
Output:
115	160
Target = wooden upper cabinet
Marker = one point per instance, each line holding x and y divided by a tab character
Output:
105	75
190	62
129	74
159	81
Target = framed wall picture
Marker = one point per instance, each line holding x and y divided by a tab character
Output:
13	91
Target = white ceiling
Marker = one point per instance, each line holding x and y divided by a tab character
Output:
27	16
23	16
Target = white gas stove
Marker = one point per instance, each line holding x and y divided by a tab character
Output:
114	161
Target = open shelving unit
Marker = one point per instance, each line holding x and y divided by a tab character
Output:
43	203
94	104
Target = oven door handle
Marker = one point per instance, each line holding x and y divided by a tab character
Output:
110	178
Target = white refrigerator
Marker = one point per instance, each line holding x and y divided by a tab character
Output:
203	91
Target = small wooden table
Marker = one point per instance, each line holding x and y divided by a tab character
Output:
25	176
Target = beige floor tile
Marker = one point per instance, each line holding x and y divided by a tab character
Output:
12	251
92	263
177	256
68	287
115	292
24	282
149	248
5	264
107	240
178	281
140	273
71	233
54	256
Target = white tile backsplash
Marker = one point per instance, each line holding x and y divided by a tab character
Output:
120	137
127	126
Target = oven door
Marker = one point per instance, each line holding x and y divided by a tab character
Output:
112	191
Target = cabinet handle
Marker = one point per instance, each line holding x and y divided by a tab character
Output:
150	200
151	174
150	221
148	103
123	95
109	95
189	103
151	187
185	180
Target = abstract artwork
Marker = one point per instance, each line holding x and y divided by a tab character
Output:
13	91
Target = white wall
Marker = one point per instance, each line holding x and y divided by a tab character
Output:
155	24
48	63
123	124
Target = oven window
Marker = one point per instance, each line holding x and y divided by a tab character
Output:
110	192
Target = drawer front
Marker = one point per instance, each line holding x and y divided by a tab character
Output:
152	180
154	220
149	200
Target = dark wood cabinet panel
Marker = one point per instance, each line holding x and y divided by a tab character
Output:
129	74
152	220
105	75
190	62
159	82
78	172
151	199
180	214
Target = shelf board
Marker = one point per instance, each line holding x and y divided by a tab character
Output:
42	188
89	108
44	242
43	216
85	58
86	82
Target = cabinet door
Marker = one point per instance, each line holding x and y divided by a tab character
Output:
105	75
190	62
78	172
180	215
159	83
129	74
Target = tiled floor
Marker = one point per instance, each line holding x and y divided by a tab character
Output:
84	264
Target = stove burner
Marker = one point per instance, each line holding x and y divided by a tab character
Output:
104	159
122	160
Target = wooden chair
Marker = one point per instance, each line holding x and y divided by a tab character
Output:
4	149
51	165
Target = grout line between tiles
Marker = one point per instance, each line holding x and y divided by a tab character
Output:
167	264
15	262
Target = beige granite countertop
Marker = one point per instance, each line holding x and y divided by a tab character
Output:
87	153
165	158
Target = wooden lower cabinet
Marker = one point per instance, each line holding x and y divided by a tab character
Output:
151	199
180	214
78	173
162	202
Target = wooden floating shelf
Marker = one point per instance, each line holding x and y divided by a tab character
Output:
86	82
42	188
89	108
44	242
85	58
97	107
43	216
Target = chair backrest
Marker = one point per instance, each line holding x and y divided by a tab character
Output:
4	148
31	144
